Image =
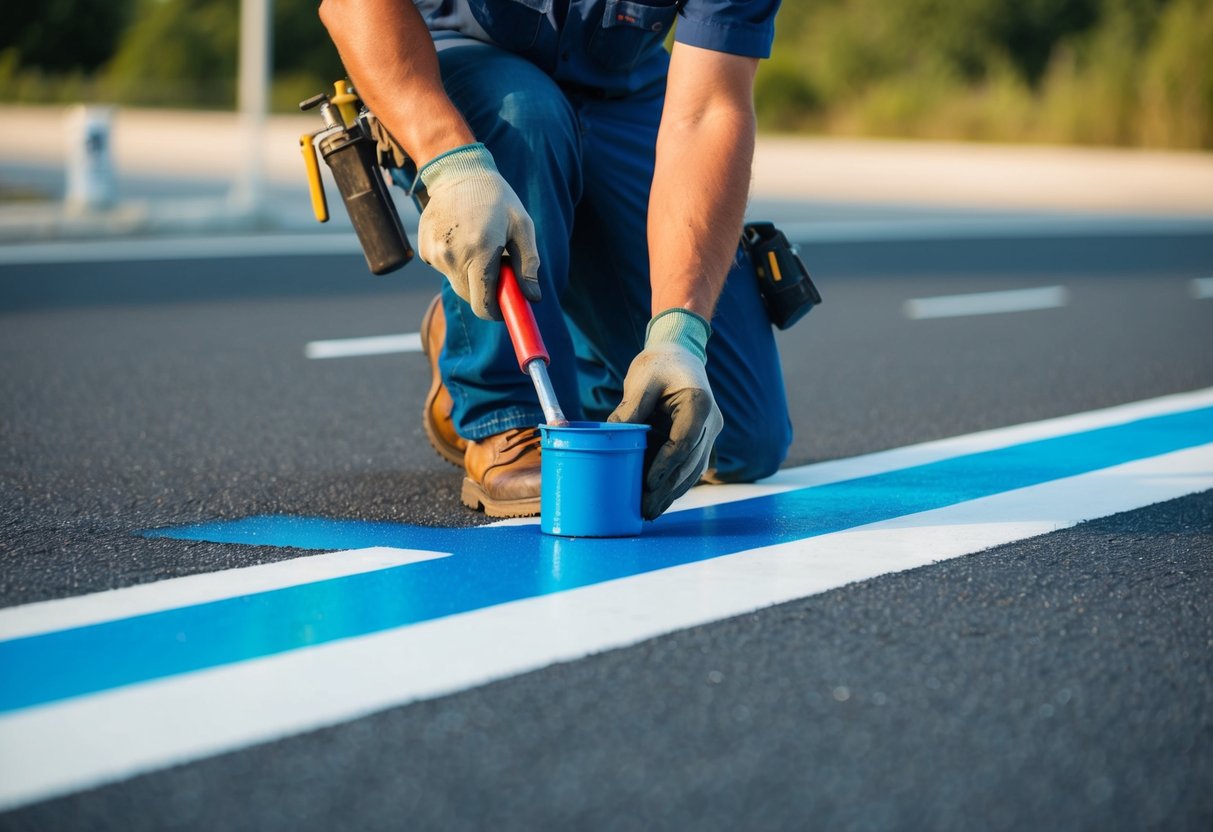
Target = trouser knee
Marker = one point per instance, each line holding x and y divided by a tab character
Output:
751	457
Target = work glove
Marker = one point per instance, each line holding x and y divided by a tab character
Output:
473	215
667	388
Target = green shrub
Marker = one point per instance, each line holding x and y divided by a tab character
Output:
1177	79
1088	71
177	51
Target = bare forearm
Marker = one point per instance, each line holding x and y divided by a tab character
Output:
701	181
696	210
390	58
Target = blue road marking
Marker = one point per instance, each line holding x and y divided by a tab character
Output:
501	564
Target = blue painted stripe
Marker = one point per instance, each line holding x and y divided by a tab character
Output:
496	565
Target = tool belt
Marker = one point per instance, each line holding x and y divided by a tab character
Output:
783	280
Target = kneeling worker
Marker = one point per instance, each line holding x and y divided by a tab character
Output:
615	176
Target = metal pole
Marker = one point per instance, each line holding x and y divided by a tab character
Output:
252	97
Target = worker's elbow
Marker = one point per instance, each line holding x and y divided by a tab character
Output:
330	13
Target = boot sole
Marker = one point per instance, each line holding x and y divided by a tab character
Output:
475	498
448	452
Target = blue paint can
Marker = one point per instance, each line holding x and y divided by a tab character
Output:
591	479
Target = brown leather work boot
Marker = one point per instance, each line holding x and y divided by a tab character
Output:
437	414
503	474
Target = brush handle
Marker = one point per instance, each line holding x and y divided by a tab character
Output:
532	355
519	319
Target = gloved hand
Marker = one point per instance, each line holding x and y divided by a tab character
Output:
471	217
667	388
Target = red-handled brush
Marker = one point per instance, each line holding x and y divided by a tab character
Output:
528	343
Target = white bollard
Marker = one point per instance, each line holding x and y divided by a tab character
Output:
90	169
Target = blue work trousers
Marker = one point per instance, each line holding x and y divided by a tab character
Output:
582	166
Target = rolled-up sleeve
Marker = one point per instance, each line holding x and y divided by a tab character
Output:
742	27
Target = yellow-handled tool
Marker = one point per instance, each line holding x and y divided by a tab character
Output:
315	186
350	153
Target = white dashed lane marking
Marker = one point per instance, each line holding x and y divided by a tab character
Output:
987	303
373	345
941	306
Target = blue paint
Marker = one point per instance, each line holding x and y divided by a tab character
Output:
496	565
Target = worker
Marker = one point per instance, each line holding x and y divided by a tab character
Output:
615	175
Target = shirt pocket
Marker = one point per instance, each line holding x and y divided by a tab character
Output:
628	30
512	24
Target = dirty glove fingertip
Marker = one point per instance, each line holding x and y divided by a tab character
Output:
626	413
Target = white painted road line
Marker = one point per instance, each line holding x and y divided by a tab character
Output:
90	740
64	746
83	610
95	608
59	614
373	345
987	303
1202	288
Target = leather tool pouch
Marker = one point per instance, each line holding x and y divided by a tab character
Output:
783	281
391	154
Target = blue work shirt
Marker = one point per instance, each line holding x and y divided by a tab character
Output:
610	47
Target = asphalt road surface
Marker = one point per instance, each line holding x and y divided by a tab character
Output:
1064	681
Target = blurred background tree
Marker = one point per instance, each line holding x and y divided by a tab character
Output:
54	48
1126	72
159	53
176	51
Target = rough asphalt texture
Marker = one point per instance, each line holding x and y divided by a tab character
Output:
1060	682
1063	683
